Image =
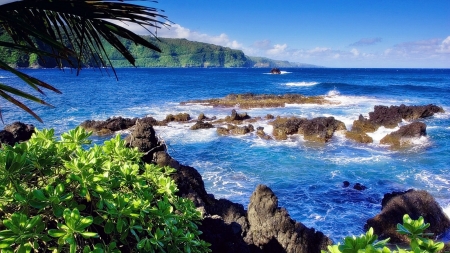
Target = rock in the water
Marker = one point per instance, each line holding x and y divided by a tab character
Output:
272	229
261	134
359	187
20	131
320	129
405	134
180	117
275	71
201	125
108	126
415	204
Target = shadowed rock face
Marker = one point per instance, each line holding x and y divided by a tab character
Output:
404	135
414	203
272	229
16	132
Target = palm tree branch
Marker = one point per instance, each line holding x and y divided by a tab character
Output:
20	105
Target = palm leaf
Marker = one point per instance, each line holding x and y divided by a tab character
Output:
72	31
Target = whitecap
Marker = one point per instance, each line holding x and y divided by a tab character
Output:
301	84
381	133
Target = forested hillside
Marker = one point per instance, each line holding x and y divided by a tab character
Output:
175	53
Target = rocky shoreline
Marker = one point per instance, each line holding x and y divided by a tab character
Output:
264	226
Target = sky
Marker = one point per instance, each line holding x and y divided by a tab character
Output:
330	33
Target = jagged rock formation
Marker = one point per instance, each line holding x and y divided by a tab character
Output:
319	129
108	126
405	134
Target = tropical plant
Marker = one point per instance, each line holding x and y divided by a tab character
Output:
71	31
414	229
66	196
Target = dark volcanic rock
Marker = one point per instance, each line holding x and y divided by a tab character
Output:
180	117
404	135
6	138
414	203
286	126
201	125
261	134
144	138
389	117
20	131
320	129
275	71
359	187
108	126
272	229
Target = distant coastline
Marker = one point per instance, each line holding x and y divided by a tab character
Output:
176	53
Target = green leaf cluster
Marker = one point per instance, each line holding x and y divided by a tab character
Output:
414	229
64	195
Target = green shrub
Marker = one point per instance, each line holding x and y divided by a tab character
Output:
414	229
68	196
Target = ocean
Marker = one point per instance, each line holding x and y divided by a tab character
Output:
307	177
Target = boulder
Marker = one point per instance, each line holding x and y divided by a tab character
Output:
223	131
20	131
320	129
415	204
405	134
275	71
237	116
272	229
109	125
201	125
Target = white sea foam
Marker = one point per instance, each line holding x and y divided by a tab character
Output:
380	133
301	84
179	133
285	72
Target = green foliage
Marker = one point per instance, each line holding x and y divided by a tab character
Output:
368	243
66	196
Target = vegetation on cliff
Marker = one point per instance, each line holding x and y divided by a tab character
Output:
174	53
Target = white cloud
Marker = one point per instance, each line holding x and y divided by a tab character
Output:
445	46
355	52
277	50
366	42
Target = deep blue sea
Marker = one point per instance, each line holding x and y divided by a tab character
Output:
306	177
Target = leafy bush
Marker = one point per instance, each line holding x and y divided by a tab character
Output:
67	196
414	229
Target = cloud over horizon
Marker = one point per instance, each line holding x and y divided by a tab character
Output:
366	42
436	51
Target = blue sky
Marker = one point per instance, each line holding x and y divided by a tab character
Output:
331	33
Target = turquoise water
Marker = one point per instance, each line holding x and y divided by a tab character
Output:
306	177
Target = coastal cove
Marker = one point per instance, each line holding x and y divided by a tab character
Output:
307	177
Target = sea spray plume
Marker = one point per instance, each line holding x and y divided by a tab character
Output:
70	32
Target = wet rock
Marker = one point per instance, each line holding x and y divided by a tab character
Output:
201	116
286	126
109	125
272	229
320	129
345	184
237	116
275	71
405	135
269	116
180	117
20	131
261	134
242	130
201	125
391	116
412	202
223	131
359	187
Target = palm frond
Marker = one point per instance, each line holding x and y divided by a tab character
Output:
72	31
